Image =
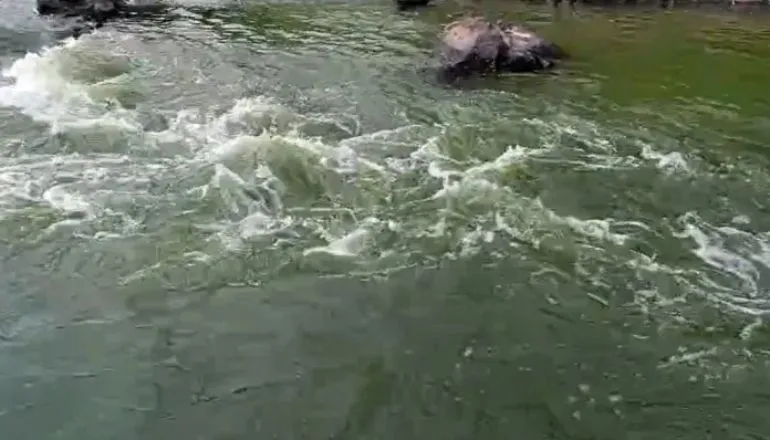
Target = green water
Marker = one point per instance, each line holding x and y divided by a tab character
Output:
264	223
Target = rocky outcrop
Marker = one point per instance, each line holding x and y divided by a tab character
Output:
97	11
88	15
411	4
91	10
474	46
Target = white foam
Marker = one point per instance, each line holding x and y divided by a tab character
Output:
671	162
739	263
349	245
231	151
59	198
41	86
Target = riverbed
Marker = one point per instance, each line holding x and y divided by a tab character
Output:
262	220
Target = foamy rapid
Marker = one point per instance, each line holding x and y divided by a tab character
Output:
257	175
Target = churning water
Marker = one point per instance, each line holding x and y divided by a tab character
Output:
261	221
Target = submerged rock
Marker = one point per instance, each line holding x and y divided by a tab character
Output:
96	10
411	4
83	16
94	13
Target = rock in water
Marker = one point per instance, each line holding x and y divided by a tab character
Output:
475	46
411	4
92	14
92	10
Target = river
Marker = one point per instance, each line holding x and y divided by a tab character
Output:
261	221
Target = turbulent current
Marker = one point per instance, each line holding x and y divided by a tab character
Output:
255	220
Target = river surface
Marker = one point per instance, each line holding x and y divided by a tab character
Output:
261	221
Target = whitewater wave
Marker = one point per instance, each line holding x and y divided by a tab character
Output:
315	189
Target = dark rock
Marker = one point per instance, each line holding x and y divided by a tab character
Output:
91	10
411	4
475	46
86	15
98	12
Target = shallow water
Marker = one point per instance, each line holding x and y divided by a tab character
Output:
261	221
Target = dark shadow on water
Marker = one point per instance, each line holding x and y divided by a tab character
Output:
529	84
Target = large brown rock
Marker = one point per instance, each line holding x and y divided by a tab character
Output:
475	46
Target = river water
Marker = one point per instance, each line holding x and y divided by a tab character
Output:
261	221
